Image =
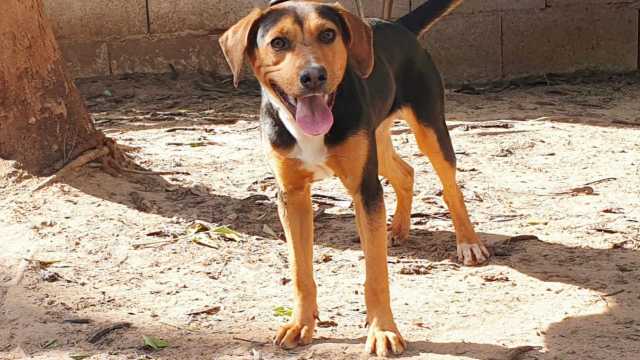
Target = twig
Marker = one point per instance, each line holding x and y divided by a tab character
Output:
329	197
76	321
505	217
148	172
440	215
584	190
158	243
80	161
487	125
188	129
606	231
614	293
209	311
104	332
601	181
250	341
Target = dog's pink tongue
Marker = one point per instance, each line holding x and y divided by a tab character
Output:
313	115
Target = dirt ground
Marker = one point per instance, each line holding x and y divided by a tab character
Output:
564	282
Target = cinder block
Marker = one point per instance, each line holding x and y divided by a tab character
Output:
154	54
572	39
198	15
478	6
374	8
216	16
85	59
96	20
466	48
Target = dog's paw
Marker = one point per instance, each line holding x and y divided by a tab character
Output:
397	233
294	334
382	339
473	254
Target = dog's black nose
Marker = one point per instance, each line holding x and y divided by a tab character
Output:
313	78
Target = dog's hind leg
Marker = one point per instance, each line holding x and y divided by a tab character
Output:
400	175
434	141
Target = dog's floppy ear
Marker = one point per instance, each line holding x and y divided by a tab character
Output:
360	42
234	43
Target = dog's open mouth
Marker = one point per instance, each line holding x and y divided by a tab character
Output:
312	112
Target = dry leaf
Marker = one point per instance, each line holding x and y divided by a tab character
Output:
209	311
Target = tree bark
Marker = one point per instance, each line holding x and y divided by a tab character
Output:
44	122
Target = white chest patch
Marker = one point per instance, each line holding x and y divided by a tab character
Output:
311	150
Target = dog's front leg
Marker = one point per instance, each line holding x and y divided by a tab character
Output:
372	227
355	163
296	215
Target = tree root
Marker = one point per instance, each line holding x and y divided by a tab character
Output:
117	160
114	158
80	161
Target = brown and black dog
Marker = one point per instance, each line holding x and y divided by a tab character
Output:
332	83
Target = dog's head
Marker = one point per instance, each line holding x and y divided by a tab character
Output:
299	52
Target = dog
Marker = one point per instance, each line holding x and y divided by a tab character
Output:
332	84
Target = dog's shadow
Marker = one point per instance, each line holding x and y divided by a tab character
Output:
613	334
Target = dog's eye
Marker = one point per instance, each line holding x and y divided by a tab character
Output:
280	43
327	36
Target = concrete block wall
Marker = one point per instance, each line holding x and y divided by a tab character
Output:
486	40
483	40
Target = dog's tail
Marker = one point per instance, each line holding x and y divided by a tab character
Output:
426	15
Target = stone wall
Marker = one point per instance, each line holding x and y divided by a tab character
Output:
483	40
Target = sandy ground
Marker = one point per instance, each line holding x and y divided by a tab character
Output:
571	290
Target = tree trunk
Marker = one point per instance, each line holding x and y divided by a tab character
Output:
44	122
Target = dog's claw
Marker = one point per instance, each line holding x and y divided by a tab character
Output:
381	339
293	334
473	254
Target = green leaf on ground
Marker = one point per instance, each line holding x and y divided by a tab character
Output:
196	228
51	344
227	233
283	311
205	241
155	344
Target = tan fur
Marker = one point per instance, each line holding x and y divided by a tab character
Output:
454	5
296	215
347	161
400	175
429	145
234	43
284	67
